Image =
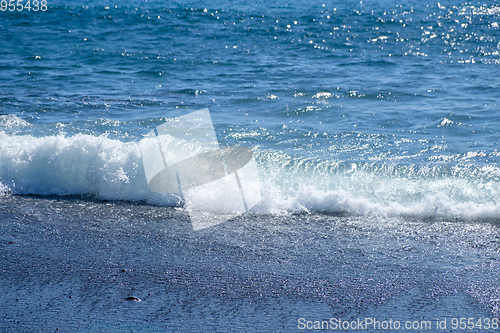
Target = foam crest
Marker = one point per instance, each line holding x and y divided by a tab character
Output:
308	199
12	121
436	191
109	169
77	165
4	190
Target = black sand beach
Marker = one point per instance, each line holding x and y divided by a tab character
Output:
70	265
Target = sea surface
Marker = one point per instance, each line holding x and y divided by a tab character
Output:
375	127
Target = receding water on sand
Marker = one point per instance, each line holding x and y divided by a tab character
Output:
74	269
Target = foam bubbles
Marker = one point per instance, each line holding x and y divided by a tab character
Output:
445	122
4	190
77	165
309	199
12	121
381	189
323	94
109	169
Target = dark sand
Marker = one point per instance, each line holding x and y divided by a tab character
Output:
70	265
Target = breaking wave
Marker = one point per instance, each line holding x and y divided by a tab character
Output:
108	169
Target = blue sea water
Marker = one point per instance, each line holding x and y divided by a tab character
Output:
374	124
393	104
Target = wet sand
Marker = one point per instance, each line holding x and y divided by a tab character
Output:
70	265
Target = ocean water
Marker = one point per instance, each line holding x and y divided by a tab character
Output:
375	126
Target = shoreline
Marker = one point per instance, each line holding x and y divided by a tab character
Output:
71	264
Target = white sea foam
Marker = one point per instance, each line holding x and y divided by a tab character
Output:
323	94
308	199
112	170
4	190
11	120
445	122
438	191
77	165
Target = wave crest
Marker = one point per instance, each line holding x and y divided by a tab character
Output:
109	169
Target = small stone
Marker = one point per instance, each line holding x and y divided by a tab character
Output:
133	298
